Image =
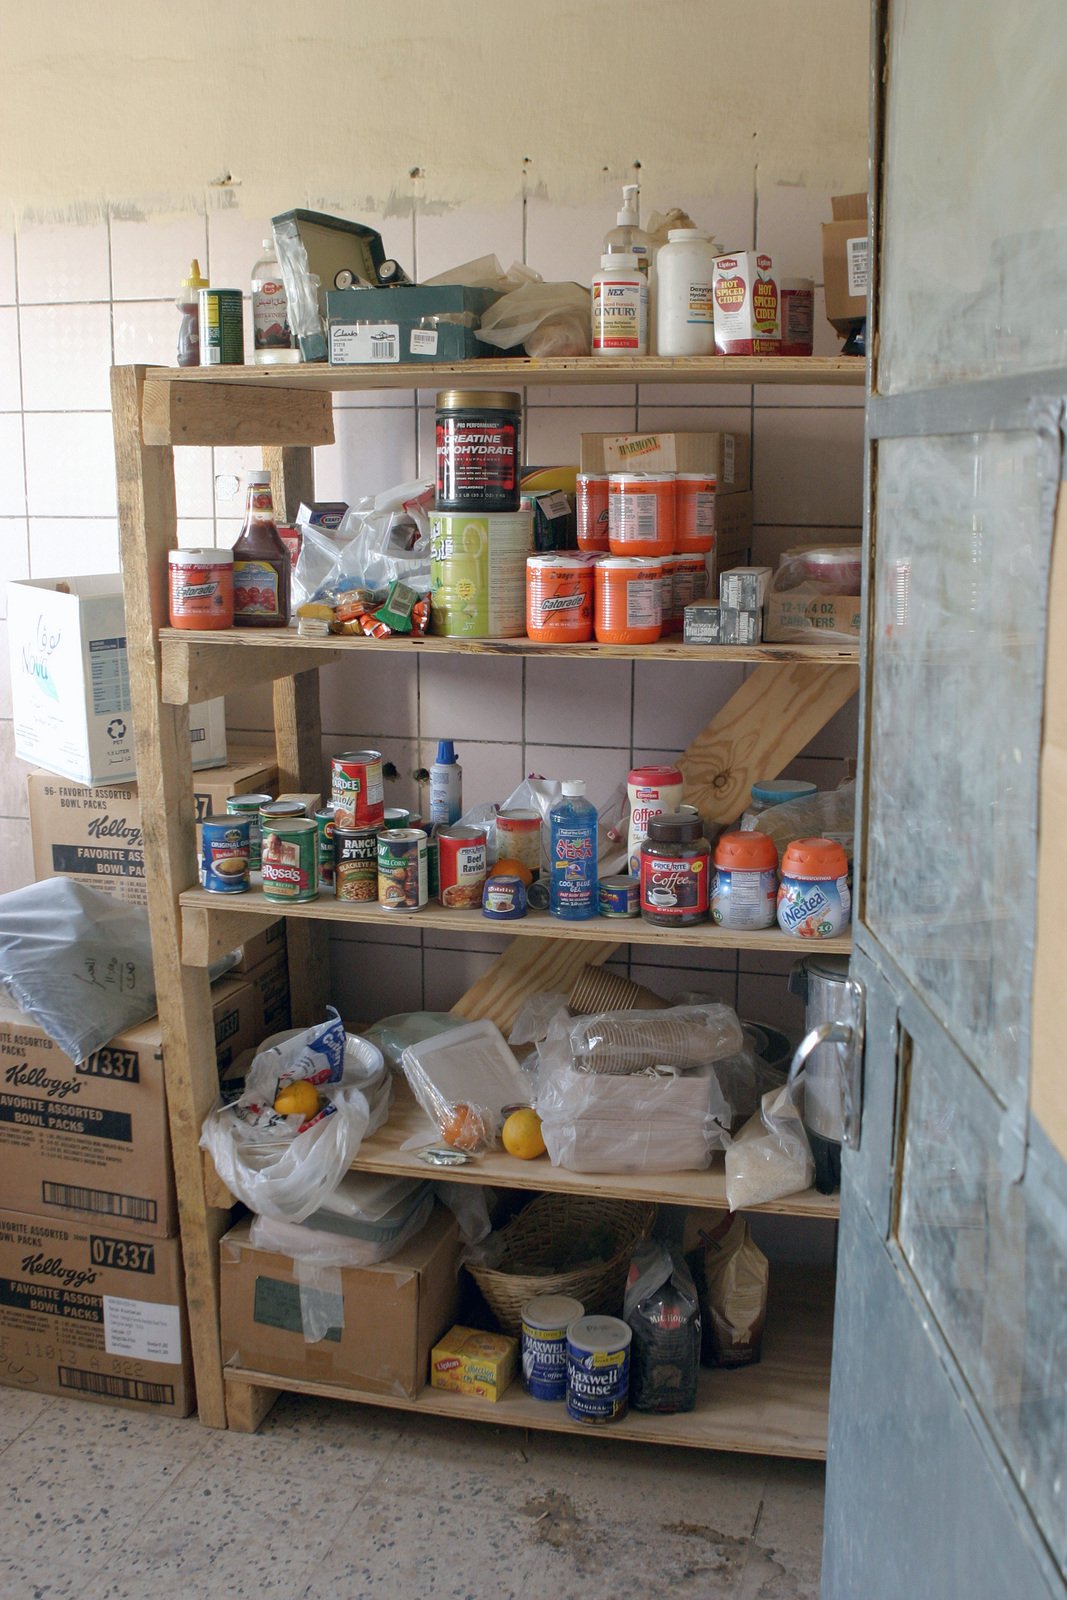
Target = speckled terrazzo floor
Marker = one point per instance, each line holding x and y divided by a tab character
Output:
335	1502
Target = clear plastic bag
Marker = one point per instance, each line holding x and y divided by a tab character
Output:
548	318
683	1037
288	1167
389	541
828	814
644	1122
463	1080
820	569
663	1311
393	1034
77	961
771	1156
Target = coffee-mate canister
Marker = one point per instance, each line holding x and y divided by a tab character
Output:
478	573
545	1320
651	791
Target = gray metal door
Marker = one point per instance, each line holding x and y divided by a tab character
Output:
947	1472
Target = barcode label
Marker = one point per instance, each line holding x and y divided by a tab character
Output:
856	254
102	1201
423	341
353	343
109	676
105	1383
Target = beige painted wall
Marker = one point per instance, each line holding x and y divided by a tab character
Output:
143	105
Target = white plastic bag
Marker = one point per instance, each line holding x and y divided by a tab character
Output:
286	1167
548	318
771	1156
658	1121
681	1037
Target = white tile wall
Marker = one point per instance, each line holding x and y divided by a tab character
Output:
69	296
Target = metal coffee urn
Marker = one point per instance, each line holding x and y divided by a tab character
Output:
829	1057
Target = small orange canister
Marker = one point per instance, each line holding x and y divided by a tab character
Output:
592	505
641	513
201	588
559	598
694	512
629	600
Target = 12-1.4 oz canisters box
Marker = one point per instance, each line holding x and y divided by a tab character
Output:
89	1312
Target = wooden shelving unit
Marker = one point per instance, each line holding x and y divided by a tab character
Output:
791	691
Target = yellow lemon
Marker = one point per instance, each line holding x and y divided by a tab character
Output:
521	1134
299	1099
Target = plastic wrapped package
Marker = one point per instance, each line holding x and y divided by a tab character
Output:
463	1080
643	1122
393	1034
820	570
309	1242
771	1156
288	1166
535	1017
828	814
663	1312
620	1042
731	1274
548	318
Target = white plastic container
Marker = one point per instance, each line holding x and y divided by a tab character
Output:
685	317
628	237
620	307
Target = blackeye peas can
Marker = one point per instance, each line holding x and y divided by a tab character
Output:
358	789
222	338
355	871
324	822
402	874
461	866
225	847
291	859
250	805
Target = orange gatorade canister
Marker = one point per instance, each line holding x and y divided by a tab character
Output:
593	511
628	600
641	513
201	588
559	598
694	512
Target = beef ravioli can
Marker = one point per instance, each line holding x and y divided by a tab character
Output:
291	860
598	1369
461	866
545	1320
402	870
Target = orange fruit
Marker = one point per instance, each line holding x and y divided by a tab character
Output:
465	1128
521	1134
299	1099
513	868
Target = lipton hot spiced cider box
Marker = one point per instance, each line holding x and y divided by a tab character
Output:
744	288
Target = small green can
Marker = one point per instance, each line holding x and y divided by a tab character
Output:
324	819
291	860
222	334
248	805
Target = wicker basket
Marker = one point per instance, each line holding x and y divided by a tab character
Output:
544	1232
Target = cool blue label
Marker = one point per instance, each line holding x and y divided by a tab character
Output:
814	908
574	882
598	1384
544	1362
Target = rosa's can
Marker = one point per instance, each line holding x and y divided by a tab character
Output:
291	860
461	866
324	821
250	805
225	846
355	871
402	874
358	789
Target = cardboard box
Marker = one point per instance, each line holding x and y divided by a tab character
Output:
399	324
740	624
387	1317
744	287
845	262
744	587
93	1140
803	618
702	624
467	1361
269	983
87	1312
94	834
260	948
733	524
70	682
726	455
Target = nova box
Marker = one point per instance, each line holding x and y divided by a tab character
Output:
385	1320
70	682
90	1313
93	1140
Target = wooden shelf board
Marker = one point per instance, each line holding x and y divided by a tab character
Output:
562	370
777	1407
382	1153
214	922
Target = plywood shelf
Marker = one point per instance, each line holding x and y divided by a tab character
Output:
778	1407
215	923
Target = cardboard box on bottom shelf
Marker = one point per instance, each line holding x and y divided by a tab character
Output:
806	618
93	1140
387	1318
94	834
89	1312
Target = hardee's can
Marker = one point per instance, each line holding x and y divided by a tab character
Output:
559	598
358	789
402	875
461	867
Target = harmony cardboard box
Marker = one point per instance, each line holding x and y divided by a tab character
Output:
802	618
70	682
94	834
844	262
725	455
385	1321
88	1312
92	1140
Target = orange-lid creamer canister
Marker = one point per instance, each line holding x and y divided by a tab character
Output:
641	513
628	600
559	598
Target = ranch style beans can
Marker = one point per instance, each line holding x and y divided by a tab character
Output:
461	867
250	806
402	870
225	845
355	864
358	789
291	860
324	819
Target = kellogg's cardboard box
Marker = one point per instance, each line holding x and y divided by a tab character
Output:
744	287
90	1313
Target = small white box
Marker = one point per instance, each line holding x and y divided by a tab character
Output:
70	682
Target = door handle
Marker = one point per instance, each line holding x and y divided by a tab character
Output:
846	1033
